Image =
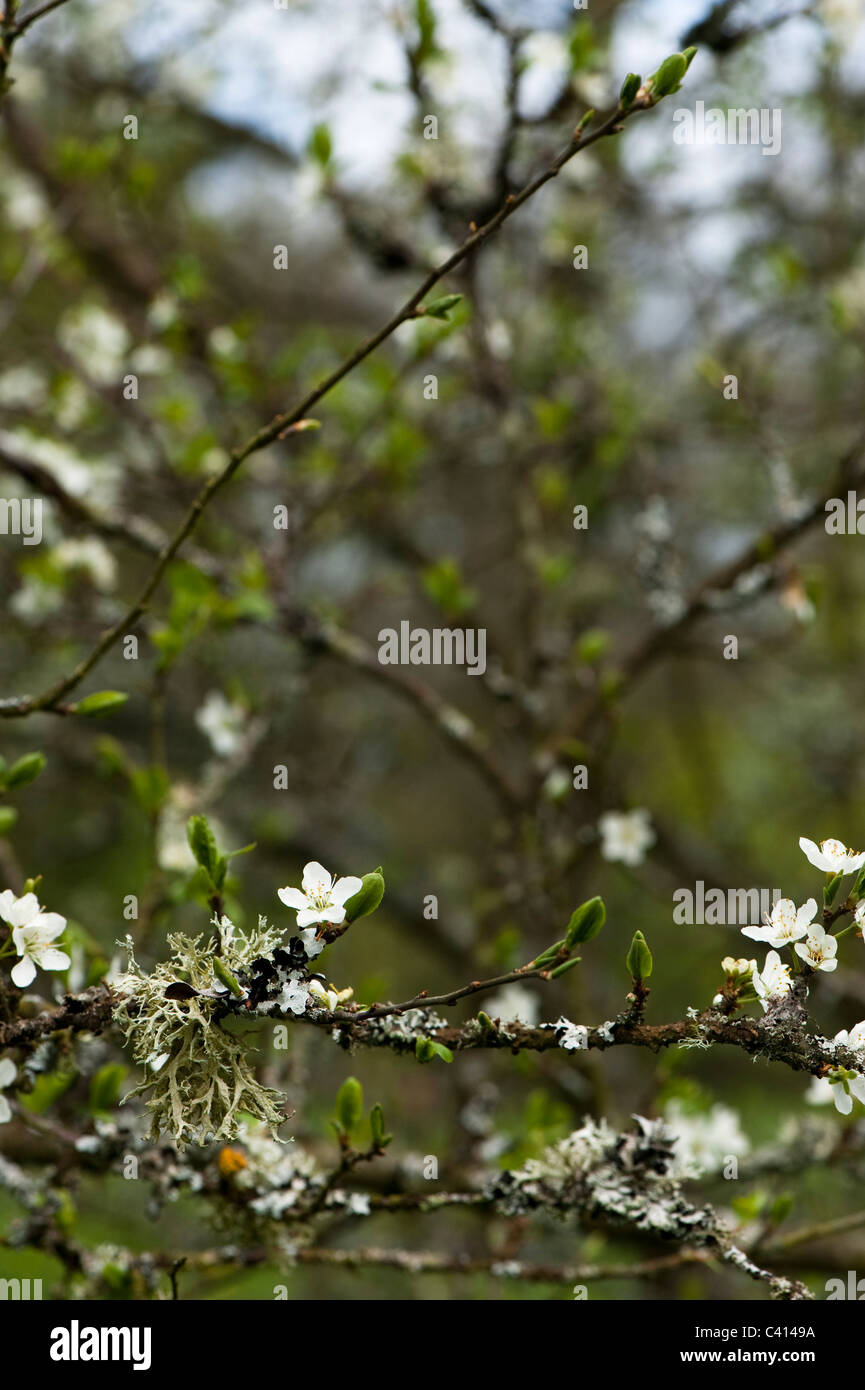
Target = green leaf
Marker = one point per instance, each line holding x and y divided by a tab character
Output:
349	1104
100	703
105	1086
639	958
202	842
367	898
439	308
222	972
25	770
669	76
48	1087
426	25
547	956
8	817
592	645
831	888
630	87
321	145
380	1139
423	1049
150	785
441	1051
586	921
565	967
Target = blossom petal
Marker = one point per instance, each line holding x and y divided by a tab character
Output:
843	1101
308	916
8	1072
48	924
333	914
24	973
5	1111
345	888
811	852
292	897
316	879
52	959
806	914
19	912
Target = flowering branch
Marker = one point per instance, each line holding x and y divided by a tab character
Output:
294	420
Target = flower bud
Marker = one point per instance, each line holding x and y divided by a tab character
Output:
367	898
222	972
639	958
669	75
586	921
630	87
349	1103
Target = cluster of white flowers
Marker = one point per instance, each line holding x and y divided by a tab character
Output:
787	925
841	1085
33	932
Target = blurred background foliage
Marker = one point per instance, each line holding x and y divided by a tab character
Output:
303	127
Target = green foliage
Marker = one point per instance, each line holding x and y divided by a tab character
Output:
349	1105
639	958
101	702
586	922
367	898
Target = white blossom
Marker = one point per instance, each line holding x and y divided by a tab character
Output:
323	899
818	949
32	933
784	924
327	998
773	980
831	856
626	835
8	1073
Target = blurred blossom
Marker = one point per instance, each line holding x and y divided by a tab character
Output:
97	340
514	1004
22	387
704	1139
626	836
223	722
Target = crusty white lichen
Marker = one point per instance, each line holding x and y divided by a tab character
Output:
610	1177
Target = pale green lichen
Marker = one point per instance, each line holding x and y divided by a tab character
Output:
199	1081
